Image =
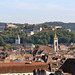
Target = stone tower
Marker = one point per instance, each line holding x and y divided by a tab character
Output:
17	40
55	43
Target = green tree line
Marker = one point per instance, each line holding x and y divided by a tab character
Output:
43	37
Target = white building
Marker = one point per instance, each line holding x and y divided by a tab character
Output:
58	27
37	29
69	30
30	33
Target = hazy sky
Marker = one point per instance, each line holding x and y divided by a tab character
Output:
37	11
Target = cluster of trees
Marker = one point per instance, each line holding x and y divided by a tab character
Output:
47	37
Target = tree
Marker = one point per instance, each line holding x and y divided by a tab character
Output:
1	41
7	46
73	47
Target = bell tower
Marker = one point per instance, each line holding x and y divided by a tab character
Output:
55	43
17	40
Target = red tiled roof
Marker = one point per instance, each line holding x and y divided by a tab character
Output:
28	49
33	62
22	47
45	28
45	49
1	48
15	63
22	68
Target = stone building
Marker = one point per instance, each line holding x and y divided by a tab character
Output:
17	40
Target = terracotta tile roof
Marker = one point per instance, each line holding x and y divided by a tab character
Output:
1	47
28	49
22	48
59	70
46	28
22	68
34	62
49	59
45	50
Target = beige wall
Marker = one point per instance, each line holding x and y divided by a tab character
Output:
17	74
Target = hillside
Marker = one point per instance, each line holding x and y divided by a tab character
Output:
64	25
43	37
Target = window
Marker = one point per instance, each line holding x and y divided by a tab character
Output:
55	64
53	70
55	43
19	74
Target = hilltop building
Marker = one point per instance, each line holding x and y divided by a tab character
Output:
57	27
10	25
55	43
69	30
37	29
30	33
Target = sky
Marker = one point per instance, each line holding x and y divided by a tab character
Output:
37	11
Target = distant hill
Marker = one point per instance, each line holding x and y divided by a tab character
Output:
2	26
64	25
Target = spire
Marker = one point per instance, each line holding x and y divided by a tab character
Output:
55	43
17	40
55	35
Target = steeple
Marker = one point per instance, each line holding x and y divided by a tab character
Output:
55	35
17	40
55	43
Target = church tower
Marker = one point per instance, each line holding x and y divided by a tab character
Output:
55	43
17	40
